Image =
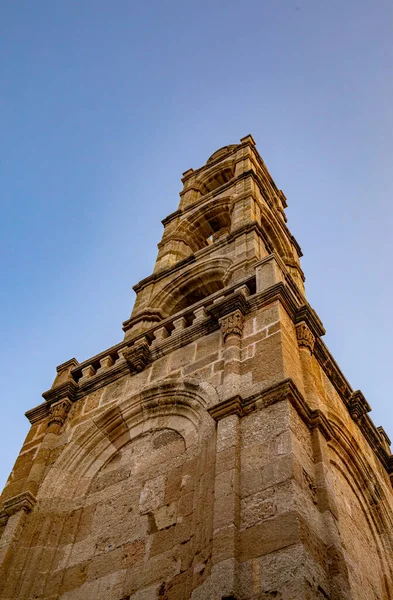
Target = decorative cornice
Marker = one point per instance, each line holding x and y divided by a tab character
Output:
285	390
137	356
152	315
69	364
305	338
229	304
309	316
24	501
171	216
164	273
384	436
279	291
231	406
38	413
232	324
68	389
332	370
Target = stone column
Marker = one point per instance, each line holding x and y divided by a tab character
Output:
17	508
306	341
232	329
57	415
15	512
226	521
338	572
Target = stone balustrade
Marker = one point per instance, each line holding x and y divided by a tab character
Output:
164	331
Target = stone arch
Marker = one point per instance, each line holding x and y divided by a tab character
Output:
279	241
353	478
170	404
209	220
200	281
107	502
214	177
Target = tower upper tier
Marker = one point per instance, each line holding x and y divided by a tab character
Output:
231	215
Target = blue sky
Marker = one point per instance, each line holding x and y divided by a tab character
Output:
104	104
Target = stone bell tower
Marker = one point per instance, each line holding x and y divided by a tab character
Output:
217	451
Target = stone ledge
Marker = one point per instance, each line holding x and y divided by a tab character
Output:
38	413
24	501
68	389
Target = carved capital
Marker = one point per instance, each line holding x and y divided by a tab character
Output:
232	324
58	413
232	406
138	356
24	501
305	338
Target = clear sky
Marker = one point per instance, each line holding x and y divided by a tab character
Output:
104	104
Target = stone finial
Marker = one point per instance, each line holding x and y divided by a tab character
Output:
58	413
232	324
305	337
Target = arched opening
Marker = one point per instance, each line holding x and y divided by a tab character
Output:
206	225
216	178
198	283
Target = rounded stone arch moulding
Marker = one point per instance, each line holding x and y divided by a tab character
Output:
170	404
280	242
215	176
197	226
348	460
198	282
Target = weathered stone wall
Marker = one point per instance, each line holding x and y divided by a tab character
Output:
217	452
146	498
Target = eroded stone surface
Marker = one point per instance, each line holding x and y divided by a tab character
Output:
193	461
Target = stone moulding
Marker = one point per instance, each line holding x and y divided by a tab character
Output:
68	389
24	501
230	302
285	390
38	413
154	316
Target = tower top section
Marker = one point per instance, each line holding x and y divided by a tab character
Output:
230	216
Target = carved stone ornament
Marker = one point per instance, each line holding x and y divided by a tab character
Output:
137	357
358	406
24	501
58	413
304	336
232	324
